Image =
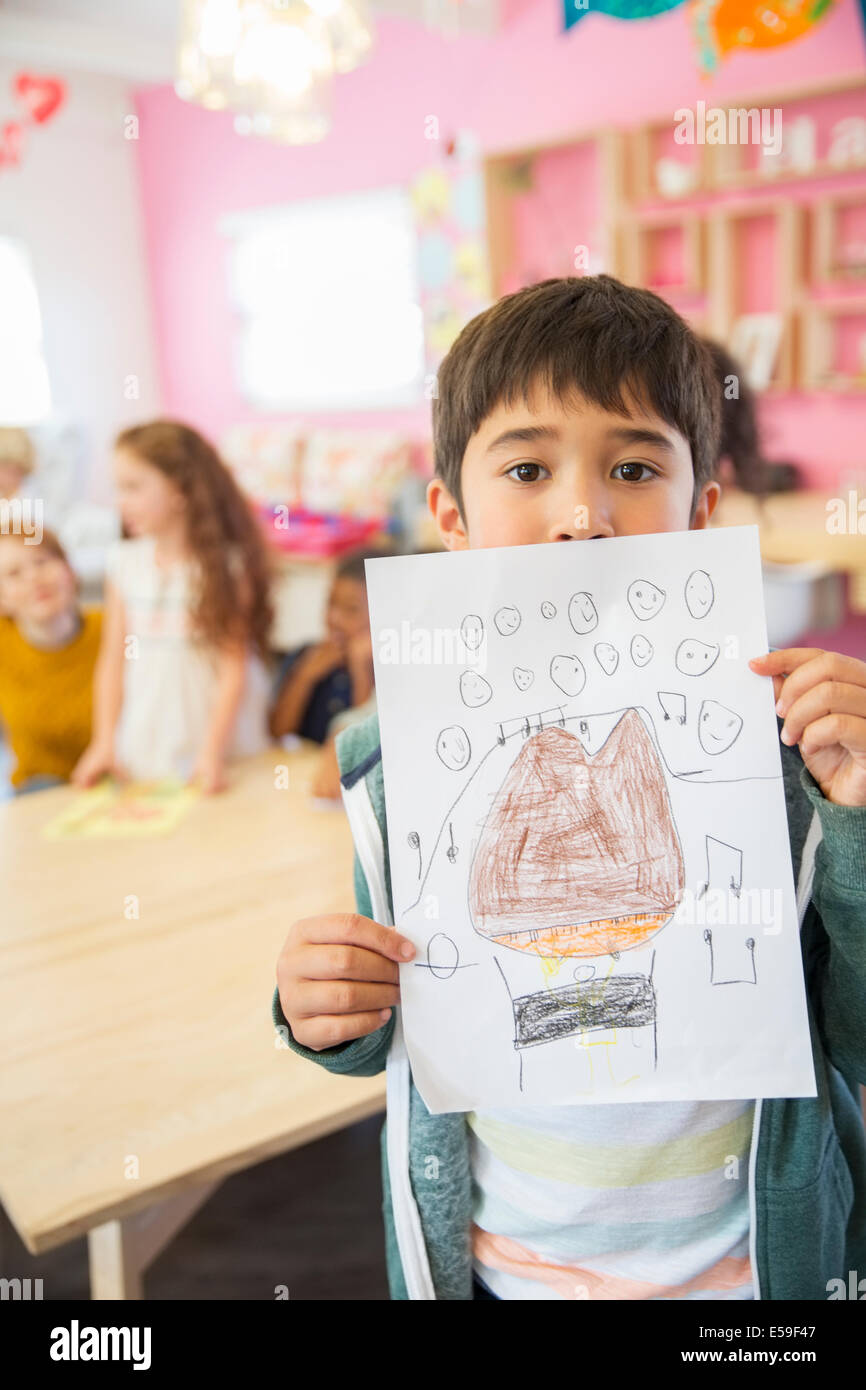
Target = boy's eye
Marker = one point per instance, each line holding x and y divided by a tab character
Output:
633	478
525	472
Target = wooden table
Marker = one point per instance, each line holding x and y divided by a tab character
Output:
793	529
139	1064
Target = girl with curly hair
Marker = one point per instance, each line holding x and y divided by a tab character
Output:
182	679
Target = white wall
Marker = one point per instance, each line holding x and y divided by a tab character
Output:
74	202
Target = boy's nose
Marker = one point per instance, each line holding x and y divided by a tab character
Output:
585	523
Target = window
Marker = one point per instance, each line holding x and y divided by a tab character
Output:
327	294
25	398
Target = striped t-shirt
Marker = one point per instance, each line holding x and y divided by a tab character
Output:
632	1201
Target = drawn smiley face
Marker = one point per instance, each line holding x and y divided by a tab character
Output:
474	689
472	631
567	672
582	612
548	609
641	649
695	658
523	678
699	593
645	599
607	657
507	620
718	727
453	747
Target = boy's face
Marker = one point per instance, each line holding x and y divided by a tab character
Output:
542	471
36	586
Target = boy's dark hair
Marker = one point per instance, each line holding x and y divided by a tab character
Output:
589	334
740	440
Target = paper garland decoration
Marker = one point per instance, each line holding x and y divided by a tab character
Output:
617	9
720	26
41	98
724	25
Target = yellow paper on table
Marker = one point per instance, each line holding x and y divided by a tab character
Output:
118	810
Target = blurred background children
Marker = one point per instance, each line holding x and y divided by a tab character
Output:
48	651
320	680
182	683
741	460
17	459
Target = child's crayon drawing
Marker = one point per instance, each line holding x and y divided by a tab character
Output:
116	810
587	829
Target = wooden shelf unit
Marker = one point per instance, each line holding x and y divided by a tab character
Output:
633	211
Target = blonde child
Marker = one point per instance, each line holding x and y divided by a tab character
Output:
181	681
16	459
48	650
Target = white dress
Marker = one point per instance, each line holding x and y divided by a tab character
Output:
169	680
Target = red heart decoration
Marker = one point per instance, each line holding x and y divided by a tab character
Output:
11	138
41	95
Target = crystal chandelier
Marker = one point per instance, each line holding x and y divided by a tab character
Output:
270	61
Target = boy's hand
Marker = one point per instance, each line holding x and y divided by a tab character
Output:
822	696
337	976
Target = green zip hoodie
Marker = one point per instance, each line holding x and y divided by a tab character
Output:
808	1163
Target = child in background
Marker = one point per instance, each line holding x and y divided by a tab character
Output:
181	681
741	462
322	679
16	460
48	651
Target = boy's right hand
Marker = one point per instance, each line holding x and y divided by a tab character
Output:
338	977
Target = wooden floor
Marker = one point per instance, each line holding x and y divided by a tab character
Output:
310	1219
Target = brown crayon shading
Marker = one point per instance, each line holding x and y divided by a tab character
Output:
579	855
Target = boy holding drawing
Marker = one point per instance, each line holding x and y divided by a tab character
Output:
580	409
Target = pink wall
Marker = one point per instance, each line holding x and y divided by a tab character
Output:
530	84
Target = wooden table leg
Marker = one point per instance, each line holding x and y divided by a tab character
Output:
120	1251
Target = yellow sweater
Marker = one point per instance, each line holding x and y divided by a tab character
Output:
46	698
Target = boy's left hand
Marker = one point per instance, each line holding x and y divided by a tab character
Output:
822	697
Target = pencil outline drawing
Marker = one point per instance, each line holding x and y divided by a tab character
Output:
703	655
474	690
641	649
712	711
582	612
453	748
699	594
507	620
645	599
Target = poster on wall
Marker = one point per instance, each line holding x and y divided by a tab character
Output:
453	272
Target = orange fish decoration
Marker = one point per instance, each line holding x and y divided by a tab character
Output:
724	25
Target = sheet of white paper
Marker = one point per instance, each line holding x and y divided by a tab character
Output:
587	829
